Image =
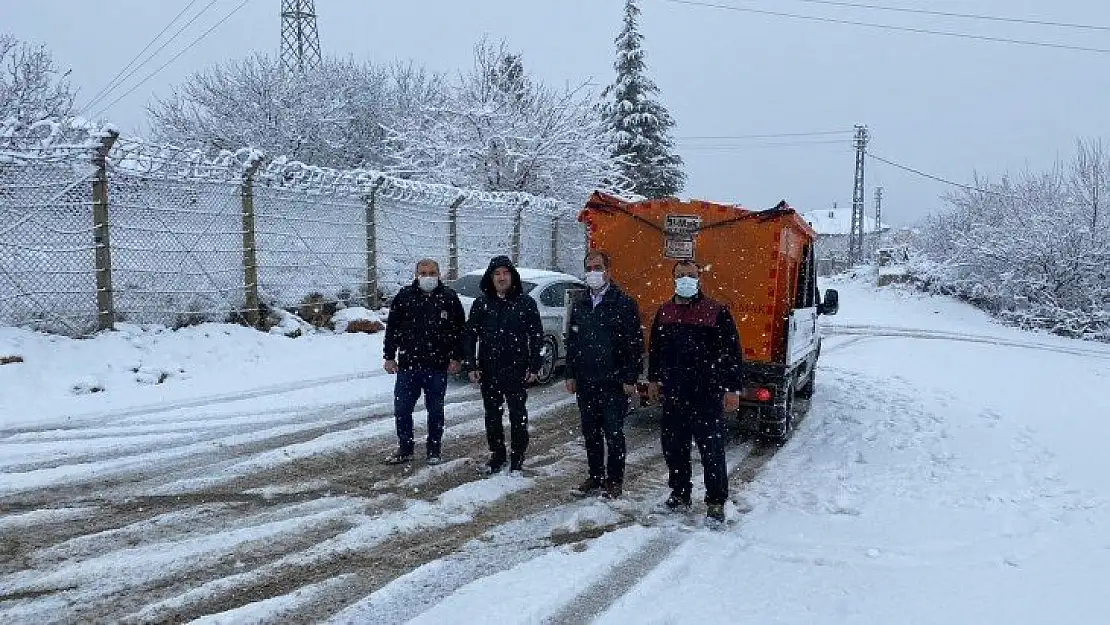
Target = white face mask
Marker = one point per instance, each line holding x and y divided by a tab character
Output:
595	279
686	286
428	283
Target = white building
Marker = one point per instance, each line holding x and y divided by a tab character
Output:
833	225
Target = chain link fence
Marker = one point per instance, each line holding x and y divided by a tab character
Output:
97	229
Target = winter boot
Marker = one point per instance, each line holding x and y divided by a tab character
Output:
715	512
677	501
613	489
589	486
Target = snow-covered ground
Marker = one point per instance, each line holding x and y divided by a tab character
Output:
949	470
63	381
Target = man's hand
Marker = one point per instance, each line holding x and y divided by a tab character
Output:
475	376
732	401
572	386
531	378
390	366
454	367
629	389
653	391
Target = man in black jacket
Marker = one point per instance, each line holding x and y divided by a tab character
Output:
694	364
425	326
605	347
502	347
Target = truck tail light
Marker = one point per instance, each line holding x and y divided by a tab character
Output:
761	394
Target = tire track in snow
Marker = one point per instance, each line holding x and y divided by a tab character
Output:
139	508
69	479
745	462
112	416
556	456
893	331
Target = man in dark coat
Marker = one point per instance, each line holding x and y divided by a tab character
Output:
694	364
503	338
605	346
426	323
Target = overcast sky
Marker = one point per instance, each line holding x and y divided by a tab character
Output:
943	105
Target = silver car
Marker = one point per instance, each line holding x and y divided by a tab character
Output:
549	289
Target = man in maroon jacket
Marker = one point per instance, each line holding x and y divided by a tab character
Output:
694	365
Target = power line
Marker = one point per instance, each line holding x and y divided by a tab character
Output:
174	58
906	29
918	172
108	90
111	82
973	16
757	146
764	136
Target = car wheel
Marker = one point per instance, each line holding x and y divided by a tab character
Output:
548	355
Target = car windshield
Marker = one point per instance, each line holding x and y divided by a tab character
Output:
469	286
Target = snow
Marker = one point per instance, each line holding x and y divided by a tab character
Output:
151	367
542	585
950	469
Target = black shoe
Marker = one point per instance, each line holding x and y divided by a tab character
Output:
433	459
516	463
677	500
495	463
613	490
715	512
398	457
589	486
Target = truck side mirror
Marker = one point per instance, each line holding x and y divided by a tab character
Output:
831	304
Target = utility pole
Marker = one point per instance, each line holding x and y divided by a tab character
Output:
855	238
300	42
878	209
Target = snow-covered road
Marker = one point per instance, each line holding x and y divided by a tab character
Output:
948	469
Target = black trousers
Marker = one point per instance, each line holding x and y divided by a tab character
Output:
603	406
494	398
702	419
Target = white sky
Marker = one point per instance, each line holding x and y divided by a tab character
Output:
944	105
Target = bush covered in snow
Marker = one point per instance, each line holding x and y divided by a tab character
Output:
1033	250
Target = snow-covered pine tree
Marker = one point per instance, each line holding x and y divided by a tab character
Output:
639	123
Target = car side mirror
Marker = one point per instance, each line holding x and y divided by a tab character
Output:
831	303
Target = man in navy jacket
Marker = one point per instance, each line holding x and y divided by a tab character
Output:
605	346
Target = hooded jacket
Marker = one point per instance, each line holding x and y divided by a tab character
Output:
503	334
426	328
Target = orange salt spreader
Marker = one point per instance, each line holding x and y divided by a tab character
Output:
759	263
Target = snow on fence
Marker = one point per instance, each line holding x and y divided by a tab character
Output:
97	229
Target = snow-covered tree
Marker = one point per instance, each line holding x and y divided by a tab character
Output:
1025	247
640	123
1089	181
498	129
31	87
341	115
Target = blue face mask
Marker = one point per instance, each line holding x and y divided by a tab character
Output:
686	287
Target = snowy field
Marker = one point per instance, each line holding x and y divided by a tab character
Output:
948	470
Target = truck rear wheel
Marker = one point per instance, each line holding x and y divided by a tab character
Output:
805	391
784	412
